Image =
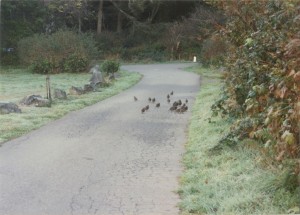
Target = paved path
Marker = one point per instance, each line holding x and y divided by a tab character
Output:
104	159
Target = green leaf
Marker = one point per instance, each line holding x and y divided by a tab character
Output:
248	42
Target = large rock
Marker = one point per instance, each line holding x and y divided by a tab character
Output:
30	100
36	100
60	94
9	107
76	90
96	78
43	103
87	88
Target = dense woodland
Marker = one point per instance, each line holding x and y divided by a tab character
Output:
128	30
256	42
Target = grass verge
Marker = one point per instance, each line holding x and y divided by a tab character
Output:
15	84
230	180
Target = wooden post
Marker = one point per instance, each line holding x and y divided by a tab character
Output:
48	88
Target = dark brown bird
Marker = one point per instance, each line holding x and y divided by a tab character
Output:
169	100
179	102
168	96
186	101
182	109
143	110
178	110
135	98
157	105
175	104
149	99
185	108
147	107
153	100
172	108
171	93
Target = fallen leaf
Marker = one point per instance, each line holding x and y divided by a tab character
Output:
288	137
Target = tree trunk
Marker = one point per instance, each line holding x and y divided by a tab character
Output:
100	17
119	24
79	23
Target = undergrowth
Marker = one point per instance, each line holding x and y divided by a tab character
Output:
229	179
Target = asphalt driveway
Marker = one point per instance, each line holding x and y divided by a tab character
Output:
108	158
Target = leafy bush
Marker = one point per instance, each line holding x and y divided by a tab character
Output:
109	43
110	67
9	58
262	80
155	52
75	63
213	51
63	51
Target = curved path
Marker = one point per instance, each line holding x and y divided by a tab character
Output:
104	159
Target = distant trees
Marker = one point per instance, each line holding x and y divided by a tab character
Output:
25	17
125	28
72	12
20	19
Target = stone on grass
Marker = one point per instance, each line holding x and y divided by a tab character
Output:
43	103
60	94
87	88
96	78
9	107
36	100
30	100
76	90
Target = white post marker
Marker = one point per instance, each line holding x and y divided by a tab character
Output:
195	59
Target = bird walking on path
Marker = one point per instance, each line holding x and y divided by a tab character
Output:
157	105
172	93
168	96
135	98
147	107
173	108
184	108
153	100
186	101
169	100
143	110
149	99
178	110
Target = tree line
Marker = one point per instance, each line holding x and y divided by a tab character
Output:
25	17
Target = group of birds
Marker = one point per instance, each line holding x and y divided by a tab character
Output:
177	107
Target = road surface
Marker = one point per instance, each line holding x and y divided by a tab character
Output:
107	158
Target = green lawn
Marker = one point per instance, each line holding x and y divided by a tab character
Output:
15	84
230	180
